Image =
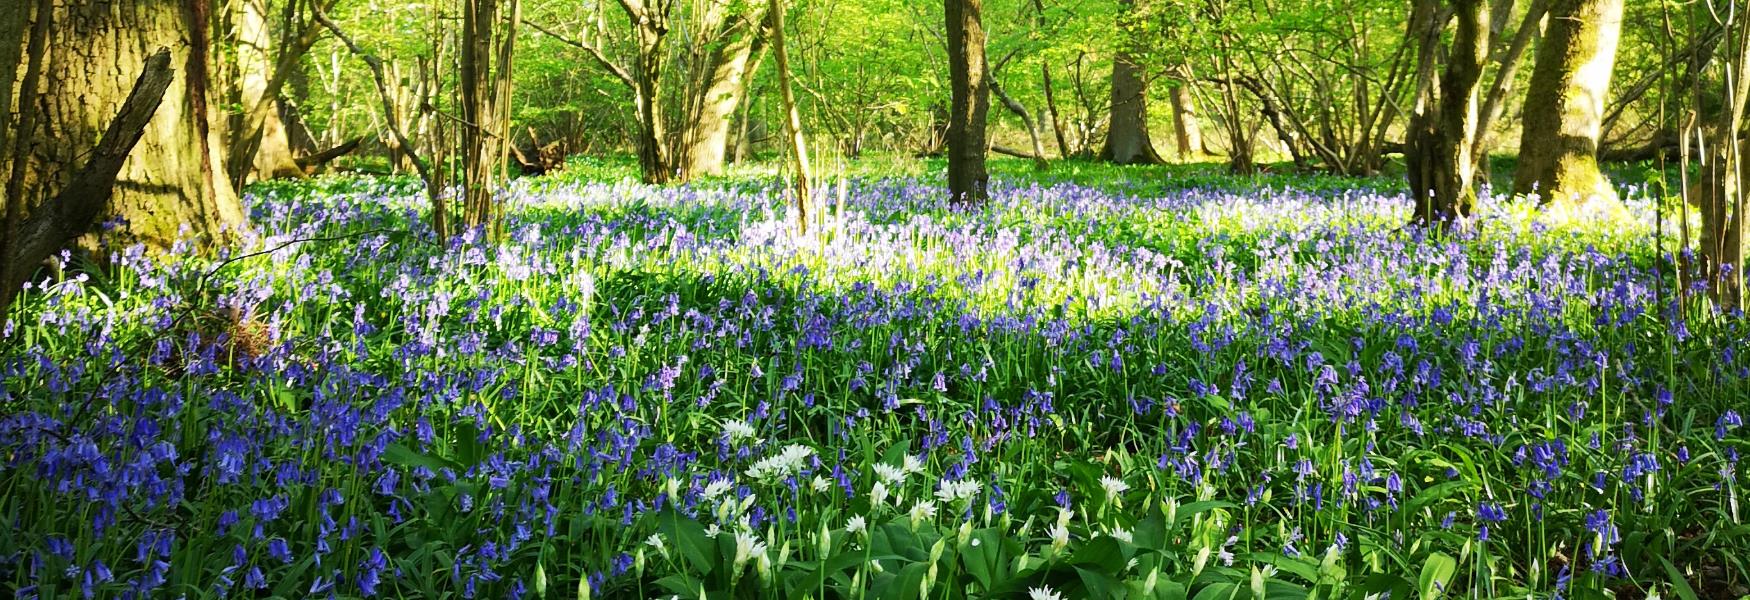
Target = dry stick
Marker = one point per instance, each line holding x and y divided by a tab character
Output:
72	212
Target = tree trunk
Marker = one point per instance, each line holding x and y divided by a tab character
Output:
1565	104
792	120
74	209
1187	135
488	46
705	141
172	185
1444	131
970	102
1722	195
260	148
1127	139
1496	100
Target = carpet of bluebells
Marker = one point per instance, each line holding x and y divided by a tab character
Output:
1197	392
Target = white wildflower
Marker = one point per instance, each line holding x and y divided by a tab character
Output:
739	431
1059	536
655	541
747	546
820	484
783	464
923	510
1043	593
878	496
716	488
712	531
855	524
1113	486
913	464
955	491
1120	534
889	474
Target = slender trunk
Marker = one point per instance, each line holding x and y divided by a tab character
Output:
1558	151
1495	101
792	120
1723	194
1187	135
968	181
1020	110
1063	148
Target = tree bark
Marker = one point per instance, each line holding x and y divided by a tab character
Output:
1127	140
969	106
1440	161
1187	134
705	137
1565	104
260	147
173	186
488	47
88	191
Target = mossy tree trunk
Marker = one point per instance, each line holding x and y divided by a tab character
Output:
704	144
1564	105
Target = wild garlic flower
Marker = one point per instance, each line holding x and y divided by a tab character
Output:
1043	593
856	524
1113	486
739	431
955	491
786	463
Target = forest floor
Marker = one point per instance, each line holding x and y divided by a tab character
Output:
1108	382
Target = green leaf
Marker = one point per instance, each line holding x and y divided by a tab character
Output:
984	557
1217	591
905	584
1101	586
688	538
1103	551
402	456
1678	581
1437	570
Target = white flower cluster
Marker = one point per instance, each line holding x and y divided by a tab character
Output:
785	463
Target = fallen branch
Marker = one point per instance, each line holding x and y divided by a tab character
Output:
321	159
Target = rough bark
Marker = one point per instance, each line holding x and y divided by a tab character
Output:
1127	140
1440	163
969	105
173	185
88	190
1564	104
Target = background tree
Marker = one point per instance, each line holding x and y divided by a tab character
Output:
1442	133
1127	140
1558	150
970	102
